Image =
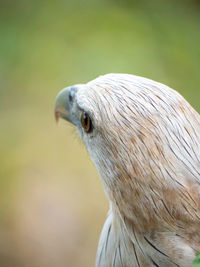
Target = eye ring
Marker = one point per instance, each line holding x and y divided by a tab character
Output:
86	122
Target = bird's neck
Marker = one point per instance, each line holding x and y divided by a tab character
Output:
148	207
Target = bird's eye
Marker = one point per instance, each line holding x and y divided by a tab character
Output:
86	122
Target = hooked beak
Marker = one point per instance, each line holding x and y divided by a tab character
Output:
63	103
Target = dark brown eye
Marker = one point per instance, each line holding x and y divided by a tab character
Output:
86	122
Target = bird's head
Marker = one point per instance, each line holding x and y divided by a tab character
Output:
136	131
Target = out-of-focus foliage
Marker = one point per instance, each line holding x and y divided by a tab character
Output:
196	262
52	204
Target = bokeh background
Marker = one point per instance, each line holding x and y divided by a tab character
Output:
52	205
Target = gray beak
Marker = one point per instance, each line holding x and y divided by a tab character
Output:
63	103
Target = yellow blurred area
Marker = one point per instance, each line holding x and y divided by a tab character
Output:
52	204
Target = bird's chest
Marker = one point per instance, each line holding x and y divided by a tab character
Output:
124	247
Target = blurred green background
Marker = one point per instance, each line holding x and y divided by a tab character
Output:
52	205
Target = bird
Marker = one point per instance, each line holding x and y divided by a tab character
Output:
144	140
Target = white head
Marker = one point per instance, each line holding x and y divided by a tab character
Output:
142	136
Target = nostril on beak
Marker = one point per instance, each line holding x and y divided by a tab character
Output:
70	97
72	92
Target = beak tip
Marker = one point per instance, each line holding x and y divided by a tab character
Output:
57	116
